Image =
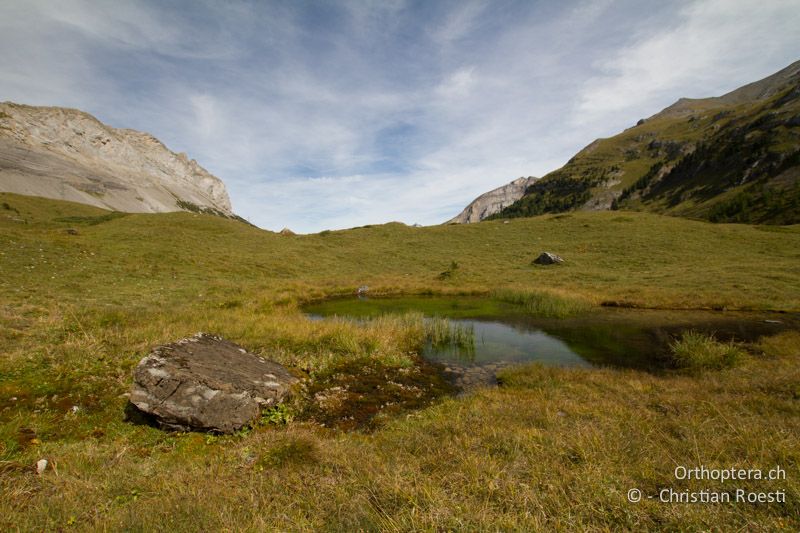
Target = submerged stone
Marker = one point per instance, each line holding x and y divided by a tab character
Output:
207	383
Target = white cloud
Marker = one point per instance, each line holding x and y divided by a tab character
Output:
715	47
118	23
205	114
459	22
458	84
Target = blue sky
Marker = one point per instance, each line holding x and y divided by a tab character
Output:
323	115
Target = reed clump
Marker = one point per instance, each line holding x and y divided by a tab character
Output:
543	303
442	332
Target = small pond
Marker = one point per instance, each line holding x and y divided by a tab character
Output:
504	335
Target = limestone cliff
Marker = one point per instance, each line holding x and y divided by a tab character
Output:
67	154
493	201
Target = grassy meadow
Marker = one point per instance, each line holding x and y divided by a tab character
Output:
85	294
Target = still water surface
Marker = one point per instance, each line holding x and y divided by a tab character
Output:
505	335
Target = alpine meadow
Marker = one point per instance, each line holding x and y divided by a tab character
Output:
612	346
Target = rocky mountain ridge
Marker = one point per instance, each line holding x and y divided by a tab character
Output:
492	202
67	154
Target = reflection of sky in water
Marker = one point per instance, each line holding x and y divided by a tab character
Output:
608	337
495	341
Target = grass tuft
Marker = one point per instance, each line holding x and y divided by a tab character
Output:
786	344
542	303
695	352
442	332
294	452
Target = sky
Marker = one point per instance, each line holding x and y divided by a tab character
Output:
328	115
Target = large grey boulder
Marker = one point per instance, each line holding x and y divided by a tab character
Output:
547	258
207	383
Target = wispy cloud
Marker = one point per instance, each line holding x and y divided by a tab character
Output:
327	115
458	23
711	47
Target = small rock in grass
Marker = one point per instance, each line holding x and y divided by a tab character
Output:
41	466
547	258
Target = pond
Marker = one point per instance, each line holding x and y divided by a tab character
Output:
503	334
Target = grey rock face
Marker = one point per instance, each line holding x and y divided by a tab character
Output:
67	154
493	201
547	258
207	383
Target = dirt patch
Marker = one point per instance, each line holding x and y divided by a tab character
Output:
26	437
363	394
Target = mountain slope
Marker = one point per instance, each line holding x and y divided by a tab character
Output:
67	154
734	158
493	201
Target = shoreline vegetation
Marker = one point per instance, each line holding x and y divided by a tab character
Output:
551	448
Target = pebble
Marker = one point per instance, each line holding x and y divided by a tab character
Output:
41	466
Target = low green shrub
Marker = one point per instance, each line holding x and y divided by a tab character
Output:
279	415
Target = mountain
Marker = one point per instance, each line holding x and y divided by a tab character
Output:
67	154
733	158
493	201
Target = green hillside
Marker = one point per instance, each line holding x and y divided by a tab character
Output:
734	158
636	258
85	293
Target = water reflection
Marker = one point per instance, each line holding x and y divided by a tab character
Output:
504	335
496	341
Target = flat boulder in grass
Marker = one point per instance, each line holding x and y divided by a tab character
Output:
207	383
547	258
